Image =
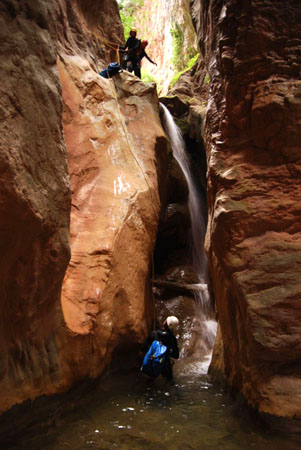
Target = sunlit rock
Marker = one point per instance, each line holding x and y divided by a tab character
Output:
172	39
115	146
113	149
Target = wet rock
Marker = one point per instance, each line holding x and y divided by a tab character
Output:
172	235
185	274
176	106
177	186
163	288
174	225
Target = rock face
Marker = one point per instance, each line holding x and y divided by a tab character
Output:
112	134
167	25
252	133
35	202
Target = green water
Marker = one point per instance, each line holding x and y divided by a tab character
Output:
128	412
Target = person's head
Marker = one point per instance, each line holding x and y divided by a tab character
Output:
144	44
133	32
172	323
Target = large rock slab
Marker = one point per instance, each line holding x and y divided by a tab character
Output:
252	134
113	136
59	121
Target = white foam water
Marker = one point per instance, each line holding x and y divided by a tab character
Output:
203	323
195	204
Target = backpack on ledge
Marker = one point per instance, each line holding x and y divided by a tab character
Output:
111	70
154	359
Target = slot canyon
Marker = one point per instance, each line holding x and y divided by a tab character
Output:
127	200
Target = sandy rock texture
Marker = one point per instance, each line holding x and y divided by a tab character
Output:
69	136
252	134
113	135
35	202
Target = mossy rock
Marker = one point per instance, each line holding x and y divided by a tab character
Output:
176	105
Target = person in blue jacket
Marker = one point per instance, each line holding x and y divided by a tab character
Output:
165	334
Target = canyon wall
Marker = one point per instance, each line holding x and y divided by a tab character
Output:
252	134
72	138
77	146
168	27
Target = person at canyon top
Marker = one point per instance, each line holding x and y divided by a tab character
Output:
131	46
165	334
141	53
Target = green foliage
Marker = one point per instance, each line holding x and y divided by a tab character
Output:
180	61
177	35
147	77
207	79
191	52
189	65
127	10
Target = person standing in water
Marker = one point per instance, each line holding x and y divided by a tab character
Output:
166	335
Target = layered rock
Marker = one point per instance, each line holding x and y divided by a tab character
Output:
252	133
111	137
35	202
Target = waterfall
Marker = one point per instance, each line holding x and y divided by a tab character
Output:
197	211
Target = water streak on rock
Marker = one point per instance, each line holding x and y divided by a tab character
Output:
198	228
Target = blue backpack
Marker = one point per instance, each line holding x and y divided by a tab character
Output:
154	359
111	70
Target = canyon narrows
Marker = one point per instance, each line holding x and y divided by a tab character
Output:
91	196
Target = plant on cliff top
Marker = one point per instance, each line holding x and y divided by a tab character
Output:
190	64
127	10
147	77
177	35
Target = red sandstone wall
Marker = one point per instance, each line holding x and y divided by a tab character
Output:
35	199
47	345
252	133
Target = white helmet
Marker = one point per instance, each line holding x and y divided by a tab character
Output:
172	323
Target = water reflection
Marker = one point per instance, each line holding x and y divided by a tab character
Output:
131	413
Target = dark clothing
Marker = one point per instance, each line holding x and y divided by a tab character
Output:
136	62
142	54
167	338
137	69
132	43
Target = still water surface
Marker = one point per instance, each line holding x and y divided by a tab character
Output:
131	413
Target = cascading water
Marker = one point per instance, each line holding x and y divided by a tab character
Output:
124	411
197	212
